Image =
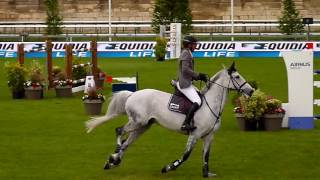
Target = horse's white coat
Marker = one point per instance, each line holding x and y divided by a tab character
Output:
147	104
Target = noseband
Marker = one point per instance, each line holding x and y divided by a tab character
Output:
238	87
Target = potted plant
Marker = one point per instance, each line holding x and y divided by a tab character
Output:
79	71
100	78
250	110
56	70
34	86
16	75
62	85
93	102
273	114
160	48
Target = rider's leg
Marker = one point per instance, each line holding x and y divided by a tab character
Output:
187	125
193	96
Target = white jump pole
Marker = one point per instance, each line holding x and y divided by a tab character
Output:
175	40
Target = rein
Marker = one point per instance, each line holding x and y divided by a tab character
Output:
208	85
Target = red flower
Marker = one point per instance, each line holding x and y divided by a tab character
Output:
109	79
238	110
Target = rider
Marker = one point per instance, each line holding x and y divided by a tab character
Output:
186	75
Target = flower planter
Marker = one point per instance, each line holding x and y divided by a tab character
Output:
245	125
272	122
17	94
93	107
34	93
99	82
260	124
63	91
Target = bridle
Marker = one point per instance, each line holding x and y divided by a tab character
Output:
237	86
232	79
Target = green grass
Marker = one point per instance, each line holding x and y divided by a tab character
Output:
46	139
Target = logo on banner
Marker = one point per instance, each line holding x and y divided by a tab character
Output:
278	46
8	47
36	47
8	54
205	46
253	45
57	46
126	46
218	54
299	65
111	46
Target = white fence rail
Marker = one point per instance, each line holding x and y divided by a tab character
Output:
204	26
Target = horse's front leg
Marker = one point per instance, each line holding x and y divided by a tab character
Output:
207	140
175	164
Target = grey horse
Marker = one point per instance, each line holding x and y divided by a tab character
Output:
148	106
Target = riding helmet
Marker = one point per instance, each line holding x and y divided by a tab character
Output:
189	39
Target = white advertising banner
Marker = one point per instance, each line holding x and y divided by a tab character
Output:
207	49
41	46
149	45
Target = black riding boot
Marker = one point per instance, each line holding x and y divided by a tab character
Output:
187	125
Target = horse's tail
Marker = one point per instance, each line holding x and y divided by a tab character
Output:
115	108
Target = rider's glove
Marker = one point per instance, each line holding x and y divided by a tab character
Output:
202	77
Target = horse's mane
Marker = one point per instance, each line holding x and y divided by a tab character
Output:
214	78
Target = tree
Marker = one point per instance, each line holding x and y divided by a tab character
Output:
54	20
166	12
290	22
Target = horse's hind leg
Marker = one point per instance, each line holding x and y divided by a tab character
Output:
115	159
119	140
175	164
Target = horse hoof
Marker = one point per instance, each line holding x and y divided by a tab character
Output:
165	169
111	159
107	166
117	161
209	175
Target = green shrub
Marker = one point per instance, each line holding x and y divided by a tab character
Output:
79	72
36	72
274	106
160	48
16	75
254	106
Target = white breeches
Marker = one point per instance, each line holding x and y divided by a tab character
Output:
191	93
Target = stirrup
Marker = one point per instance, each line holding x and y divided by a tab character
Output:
187	127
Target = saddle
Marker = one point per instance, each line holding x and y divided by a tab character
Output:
178	101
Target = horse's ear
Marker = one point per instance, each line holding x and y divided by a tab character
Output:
232	68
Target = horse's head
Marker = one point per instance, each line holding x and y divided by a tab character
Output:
237	82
